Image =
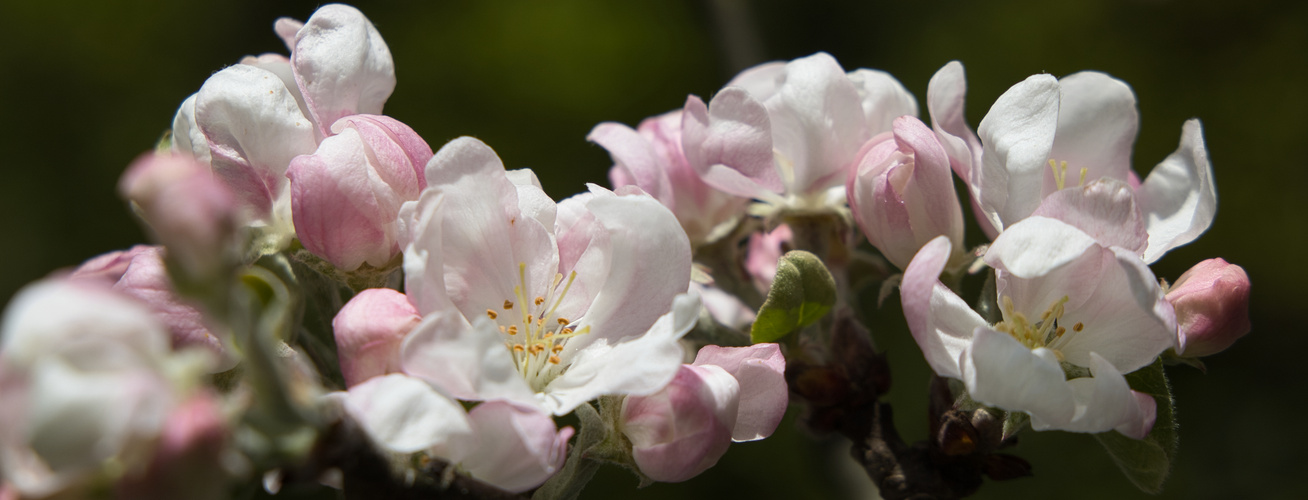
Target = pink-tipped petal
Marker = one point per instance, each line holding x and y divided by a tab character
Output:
513	447
683	429
1212	307
940	321
342	65
369	330
1104	209
760	370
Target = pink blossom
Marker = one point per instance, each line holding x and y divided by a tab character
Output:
1212	307
683	429
901	193
651	158
188	210
787	134
346	196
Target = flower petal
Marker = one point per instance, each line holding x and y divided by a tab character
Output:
635	156
818	123
1001	372
1018	134
187	136
466	361
1097	125
1105	402
1178	198
941	322
515	448
404	414
638	366
884	99
1104	209
760	371
368	332
729	143
945	94
342	65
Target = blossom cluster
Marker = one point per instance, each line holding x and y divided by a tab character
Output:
319	265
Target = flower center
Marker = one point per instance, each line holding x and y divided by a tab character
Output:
1044	332
533	331
1060	174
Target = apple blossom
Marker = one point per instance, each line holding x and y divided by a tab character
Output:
787	134
248	121
1045	134
901	192
88	378
651	158
1069	305
1212	307
764	250
537	303
346	196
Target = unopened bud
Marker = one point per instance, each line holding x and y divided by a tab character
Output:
1212	307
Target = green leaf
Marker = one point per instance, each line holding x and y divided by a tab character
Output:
802	292
1146	462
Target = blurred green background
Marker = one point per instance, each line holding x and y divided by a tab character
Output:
85	86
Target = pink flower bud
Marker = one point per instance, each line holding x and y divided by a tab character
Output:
189	210
1212	307
140	273
186	459
346	196
683	429
764	252
902	193
369	330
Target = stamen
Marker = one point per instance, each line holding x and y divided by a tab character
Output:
518	348
539	300
563	321
530	318
540	322
513	329
567	331
491	314
503	329
557	349
555	359
508	305
1078	326
1083	172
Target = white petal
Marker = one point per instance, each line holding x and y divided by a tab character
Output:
1178	197
1018	134
818	123
1097	125
1105	402
638	366
1037	245
941	322
342	65
729	143
999	371
945	94
187	136
419	232
883	97
466	361
761	81
404	414
514	448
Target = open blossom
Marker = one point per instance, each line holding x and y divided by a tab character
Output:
513	447
1045	134
249	120
1212	307
87	378
728	394
651	158
541	304
787	133
901	192
1070	306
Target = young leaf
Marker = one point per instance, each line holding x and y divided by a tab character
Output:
1147	461
802	292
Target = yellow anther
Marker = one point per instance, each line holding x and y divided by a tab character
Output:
1078	326
531	318
567	331
508	305
557	349
503	329
547	335
563	321
537	349
555	359
1060	332
540	322
518	348
513	329
491	314
539	300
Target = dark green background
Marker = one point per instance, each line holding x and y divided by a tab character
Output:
86	86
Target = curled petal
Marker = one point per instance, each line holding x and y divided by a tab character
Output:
1018	134
683	429
1104	209
940	321
760	370
945	94
729	142
1001	372
1178	198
